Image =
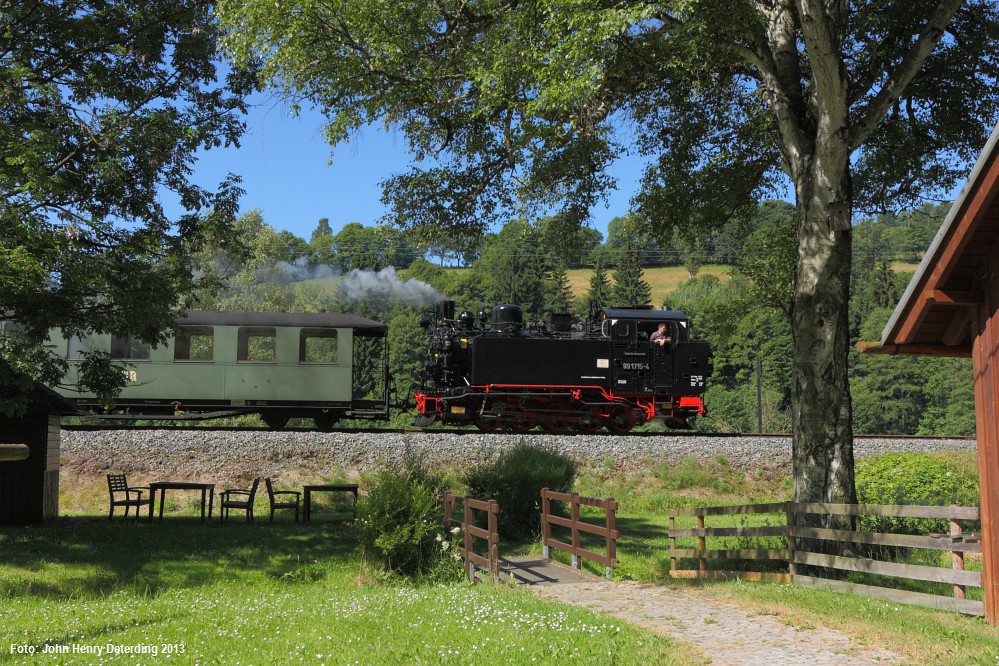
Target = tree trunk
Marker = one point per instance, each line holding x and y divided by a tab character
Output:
822	448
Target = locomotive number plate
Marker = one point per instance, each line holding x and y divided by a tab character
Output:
457	409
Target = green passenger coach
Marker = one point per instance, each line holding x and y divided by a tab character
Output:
279	365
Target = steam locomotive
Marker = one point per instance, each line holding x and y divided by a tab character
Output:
495	371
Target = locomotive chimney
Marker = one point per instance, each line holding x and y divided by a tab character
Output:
445	310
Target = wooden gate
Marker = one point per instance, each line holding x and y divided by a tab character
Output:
490	561
577	526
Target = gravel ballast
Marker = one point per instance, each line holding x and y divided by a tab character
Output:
233	455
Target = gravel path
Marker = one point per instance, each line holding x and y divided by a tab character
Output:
724	633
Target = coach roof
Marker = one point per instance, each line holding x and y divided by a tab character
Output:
303	319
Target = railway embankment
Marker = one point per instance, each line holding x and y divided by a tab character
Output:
231	456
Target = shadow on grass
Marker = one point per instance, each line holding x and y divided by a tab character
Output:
84	555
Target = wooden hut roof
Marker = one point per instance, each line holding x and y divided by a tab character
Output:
933	316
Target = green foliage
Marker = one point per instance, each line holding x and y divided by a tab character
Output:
106	106
401	515
515	479
923	479
770	254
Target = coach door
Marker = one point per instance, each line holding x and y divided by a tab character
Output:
370	384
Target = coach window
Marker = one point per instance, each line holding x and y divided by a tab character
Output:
129	349
194	343
12	334
77	346
257	344
317	345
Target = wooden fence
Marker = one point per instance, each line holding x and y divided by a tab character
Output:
576	526
489	562
796	539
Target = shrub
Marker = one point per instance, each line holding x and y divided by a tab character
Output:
401	517
515	479
925	479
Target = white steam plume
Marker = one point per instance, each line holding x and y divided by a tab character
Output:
360	285
365	286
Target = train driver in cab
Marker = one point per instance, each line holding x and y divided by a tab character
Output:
660	336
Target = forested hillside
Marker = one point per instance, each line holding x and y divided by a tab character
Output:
736	286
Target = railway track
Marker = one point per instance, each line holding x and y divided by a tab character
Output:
475	431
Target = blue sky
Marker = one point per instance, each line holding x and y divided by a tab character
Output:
284	164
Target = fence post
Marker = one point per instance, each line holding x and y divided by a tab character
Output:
469	564
546	527
447	509
575	531
956	557
702	546
792	566
672	544
493	537
611	541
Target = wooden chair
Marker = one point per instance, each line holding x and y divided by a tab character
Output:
122	494
277	503
238	499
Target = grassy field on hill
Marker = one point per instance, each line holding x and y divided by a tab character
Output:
665	280
662	280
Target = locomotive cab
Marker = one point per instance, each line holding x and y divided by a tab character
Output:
678	367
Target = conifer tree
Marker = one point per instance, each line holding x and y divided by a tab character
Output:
600	286
629	287
558	291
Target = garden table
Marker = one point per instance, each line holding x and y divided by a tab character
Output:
326	487
207	493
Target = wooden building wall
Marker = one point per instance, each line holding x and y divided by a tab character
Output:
985	355
29	488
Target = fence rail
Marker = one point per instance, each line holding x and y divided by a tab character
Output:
798	539
577	526
489	562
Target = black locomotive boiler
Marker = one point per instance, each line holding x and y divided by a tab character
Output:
496	371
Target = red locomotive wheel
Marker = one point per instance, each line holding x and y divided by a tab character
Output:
587	421
520	423
522	419
621	420
557	417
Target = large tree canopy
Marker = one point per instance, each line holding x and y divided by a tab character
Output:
509	103
103	106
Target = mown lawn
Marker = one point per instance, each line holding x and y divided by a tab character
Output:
287	593
282	593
